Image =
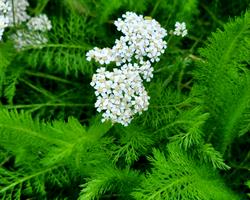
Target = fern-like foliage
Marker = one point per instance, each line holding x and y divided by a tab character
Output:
19	184
178	176
165	104
111	182
7	79
43	149
225	81
209	155
133	142
65	51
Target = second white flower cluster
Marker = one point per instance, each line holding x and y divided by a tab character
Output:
15	13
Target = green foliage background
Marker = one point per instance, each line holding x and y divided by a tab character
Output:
192	143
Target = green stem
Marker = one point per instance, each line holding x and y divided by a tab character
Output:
40	90
155	8
169	39
40	7
48	76
13	12
69	46
173	124
212	15
45	105
20	181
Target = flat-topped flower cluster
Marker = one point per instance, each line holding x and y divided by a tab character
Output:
143	39
14	13
121	93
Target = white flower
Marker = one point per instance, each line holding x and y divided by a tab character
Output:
120	94
143	39
24	38
39	23
20	13
180	29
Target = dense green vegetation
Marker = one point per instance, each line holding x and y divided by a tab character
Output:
191	144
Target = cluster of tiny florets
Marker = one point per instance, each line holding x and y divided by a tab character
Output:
180	29
35	35
142	40
14	12
20	11
120	94
25	38
143	37
39	23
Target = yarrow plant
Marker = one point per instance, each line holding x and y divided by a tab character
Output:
15	12
121	94
151	115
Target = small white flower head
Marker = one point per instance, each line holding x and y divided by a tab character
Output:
39	23
180	29
24	39
143	38
20	13
120	94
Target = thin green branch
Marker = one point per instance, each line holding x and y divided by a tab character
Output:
13	12
212	15
22	180
40	90
46	105
48	76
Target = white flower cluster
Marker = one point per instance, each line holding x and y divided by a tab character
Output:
25	38
39	23
180	29
6	12
120	94
20	13
142	40
34	35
